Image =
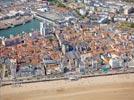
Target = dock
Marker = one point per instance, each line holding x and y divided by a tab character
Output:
8	23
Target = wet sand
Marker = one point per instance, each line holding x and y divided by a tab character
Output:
117	87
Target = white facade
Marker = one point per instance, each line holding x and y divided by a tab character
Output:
64	49
126	11
79	1
82	12
3	42
87	1
23	0
115	62
13	68
46	29
41	28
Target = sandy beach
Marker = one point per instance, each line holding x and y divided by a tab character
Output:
116	87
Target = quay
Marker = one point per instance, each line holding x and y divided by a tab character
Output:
41	18
8	23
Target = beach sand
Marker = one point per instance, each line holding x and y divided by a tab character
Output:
116	87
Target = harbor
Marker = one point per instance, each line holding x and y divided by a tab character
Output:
12	22
33	25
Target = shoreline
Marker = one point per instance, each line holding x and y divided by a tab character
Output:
69	89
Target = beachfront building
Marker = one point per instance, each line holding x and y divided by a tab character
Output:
115	63
13	68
